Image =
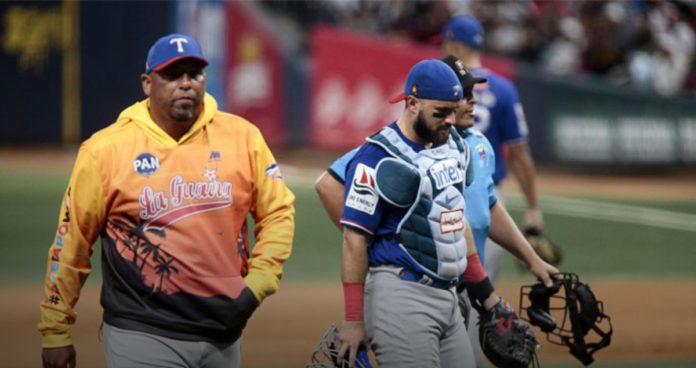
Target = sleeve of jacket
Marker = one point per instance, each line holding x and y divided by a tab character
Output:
80	221
274	223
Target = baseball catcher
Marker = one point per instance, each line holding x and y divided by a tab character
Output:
577	308
506	341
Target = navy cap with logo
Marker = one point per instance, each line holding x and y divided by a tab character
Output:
465	77
464	29
431	79
170	49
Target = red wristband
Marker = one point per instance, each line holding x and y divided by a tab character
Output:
474	270
354	296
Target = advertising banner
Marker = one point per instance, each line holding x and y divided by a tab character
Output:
354	76
31	59
255	87
627	130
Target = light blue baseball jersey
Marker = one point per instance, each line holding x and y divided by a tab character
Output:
479	196
499	115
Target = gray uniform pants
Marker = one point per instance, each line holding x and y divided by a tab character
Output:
134	349
414	325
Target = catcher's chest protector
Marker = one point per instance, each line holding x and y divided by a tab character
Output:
432	231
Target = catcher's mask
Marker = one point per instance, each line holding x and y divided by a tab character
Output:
325	354
580	309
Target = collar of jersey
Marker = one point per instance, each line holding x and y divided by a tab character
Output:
139	114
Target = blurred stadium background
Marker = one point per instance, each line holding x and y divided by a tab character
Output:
609	89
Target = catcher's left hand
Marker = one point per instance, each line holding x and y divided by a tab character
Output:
505	340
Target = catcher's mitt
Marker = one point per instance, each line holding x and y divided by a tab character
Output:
506	341
543	246
325	354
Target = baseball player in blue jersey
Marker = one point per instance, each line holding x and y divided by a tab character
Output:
500	117
330	186
404	226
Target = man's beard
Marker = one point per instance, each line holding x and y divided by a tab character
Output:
186	113
436	136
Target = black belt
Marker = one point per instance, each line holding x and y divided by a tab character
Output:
421	278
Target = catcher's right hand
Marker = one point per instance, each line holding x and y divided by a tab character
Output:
506	341
543	246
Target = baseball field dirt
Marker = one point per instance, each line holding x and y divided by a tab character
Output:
284	330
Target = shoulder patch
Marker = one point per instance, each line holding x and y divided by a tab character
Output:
273	171
482	154
363	192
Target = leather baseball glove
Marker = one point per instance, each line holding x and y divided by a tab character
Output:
543	246
506	341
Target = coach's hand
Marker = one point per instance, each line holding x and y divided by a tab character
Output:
62	357
350	336
533	218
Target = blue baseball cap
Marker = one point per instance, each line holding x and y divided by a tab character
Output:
170	49
431	79
464	29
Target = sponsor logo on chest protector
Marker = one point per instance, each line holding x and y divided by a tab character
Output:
451	221
446	172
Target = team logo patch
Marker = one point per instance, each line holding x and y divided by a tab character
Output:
451	221
210	174
481	151
456	90
273	171
55	254
146	164
214	156
363	193
445	173
460	68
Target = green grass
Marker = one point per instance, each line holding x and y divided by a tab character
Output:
317	246
602	248
593	248
30	202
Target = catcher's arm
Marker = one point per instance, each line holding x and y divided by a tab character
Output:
504	232
353	272
330	193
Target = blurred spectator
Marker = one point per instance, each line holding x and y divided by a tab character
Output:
420	20
674	46
645	43
562	56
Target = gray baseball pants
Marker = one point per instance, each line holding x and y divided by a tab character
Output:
411	325
134	349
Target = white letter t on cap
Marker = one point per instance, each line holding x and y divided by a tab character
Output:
179	41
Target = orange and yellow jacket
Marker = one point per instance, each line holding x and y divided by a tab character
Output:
172	219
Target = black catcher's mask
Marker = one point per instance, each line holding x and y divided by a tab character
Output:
577	308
